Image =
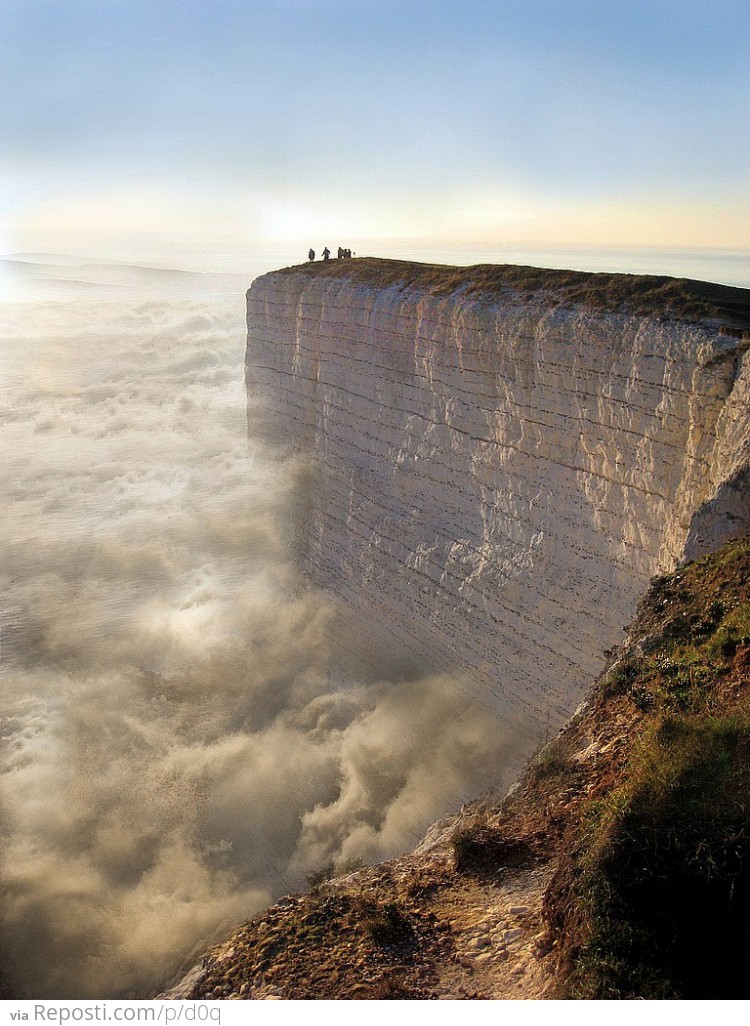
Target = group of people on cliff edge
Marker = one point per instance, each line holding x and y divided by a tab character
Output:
343	254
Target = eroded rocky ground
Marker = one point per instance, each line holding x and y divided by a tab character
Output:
408	929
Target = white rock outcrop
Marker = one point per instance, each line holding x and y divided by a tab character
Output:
496	478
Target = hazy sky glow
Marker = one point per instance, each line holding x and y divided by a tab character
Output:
222	124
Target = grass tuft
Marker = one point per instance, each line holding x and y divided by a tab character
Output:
479	847
388	926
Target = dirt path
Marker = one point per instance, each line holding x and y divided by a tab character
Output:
414	928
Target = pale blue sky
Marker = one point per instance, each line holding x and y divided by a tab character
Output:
224	122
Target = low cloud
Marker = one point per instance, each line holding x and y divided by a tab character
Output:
180	746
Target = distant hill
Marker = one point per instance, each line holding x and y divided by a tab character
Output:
53	258
59	274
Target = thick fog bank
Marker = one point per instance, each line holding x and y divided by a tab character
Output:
177	749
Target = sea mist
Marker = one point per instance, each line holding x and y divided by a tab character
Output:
177	746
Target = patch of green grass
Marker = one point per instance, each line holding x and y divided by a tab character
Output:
683	673
665	879
654	898
732	631
622	676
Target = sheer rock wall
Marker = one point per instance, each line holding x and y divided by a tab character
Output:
495	479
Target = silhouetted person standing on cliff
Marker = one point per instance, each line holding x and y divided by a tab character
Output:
311	255
326	253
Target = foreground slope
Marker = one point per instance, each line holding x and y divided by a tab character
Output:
619	865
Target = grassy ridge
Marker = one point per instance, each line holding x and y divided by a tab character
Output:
649	295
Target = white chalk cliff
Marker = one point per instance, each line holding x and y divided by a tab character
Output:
497	472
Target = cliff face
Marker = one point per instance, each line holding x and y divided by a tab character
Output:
498	472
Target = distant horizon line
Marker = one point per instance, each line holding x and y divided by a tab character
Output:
447	254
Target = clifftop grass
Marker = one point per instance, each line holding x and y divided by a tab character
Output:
648	295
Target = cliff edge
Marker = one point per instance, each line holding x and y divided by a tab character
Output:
501	458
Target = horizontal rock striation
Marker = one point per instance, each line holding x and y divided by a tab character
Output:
498	470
